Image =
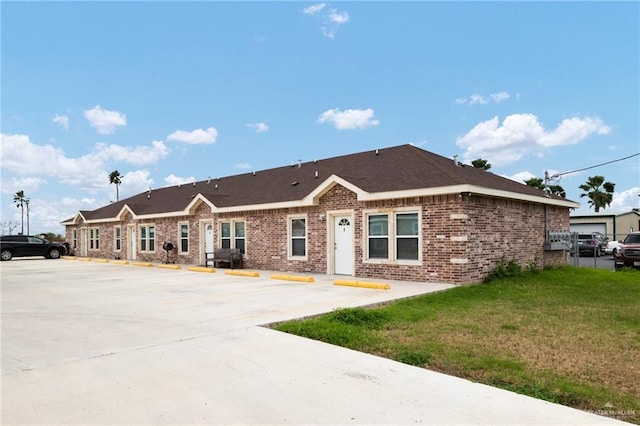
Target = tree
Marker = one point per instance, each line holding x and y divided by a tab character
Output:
535	182
115	179
600	193
481	164
7	227
20	201
538	183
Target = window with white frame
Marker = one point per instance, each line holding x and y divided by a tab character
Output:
147	238
407	236
297	236
183	236
74	238
232	235
117	238
94	239
378	236
393	236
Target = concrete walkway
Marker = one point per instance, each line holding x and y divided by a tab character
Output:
89	343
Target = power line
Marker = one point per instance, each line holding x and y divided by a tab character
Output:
597	165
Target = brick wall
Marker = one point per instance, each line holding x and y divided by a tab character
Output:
463	236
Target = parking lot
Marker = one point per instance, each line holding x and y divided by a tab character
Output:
602	262
90	343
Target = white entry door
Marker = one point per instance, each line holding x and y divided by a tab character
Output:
343	249
208	239
84	242
133	247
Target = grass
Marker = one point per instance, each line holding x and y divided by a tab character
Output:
566	335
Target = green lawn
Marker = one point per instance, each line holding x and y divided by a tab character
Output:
567	335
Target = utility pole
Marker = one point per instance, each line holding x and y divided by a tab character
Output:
27	203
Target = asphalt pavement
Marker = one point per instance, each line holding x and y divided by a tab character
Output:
101	343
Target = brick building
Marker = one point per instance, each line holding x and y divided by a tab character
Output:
395	213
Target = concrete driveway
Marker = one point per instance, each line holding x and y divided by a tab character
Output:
90	343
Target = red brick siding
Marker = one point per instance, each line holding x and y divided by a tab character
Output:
463	237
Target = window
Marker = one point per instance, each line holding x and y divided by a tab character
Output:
297	237
117	238
184	237
407	236
147	238
232	235
378	236
393	236
74	238
94	239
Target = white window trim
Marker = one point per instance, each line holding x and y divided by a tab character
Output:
74	238
392	236
232	232
180	237
94	239
117	238
147	239
290	219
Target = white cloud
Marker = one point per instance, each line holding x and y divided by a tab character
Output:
104	121
477	98
521	134
313	9
173	180
135	182
349	119
259	127
26	184
19	155
338	18
520	177
198	136
139	155
331	19
499	97
89	202
573	130
62	120
624	201
243	166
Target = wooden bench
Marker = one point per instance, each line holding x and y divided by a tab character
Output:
224	256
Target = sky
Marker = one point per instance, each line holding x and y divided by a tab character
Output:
172	92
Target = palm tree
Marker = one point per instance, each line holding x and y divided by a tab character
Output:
535	182
20	200
538	183
481	164
114	178
600	193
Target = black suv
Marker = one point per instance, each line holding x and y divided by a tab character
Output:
25	245
593	244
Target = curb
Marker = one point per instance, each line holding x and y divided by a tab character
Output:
120	262
200	269
362	284
69	257
164	266
242	273
101	260
145	264
292	278
84	259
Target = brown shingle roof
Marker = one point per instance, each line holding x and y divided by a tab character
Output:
399	168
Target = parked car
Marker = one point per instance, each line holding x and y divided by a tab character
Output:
26	245
593	244
628	254
612	247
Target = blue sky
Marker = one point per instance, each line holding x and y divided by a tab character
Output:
171	92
